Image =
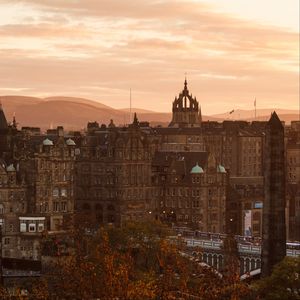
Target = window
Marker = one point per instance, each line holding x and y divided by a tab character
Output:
63	192
6	241
55	206
31	227
64	206
23	226
40	227
55	192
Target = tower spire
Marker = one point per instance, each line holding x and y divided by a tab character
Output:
3	122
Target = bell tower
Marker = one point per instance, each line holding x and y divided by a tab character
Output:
185	110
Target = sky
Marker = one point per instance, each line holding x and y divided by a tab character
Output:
231	51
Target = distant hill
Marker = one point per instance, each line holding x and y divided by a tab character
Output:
74	113
78	100
137	110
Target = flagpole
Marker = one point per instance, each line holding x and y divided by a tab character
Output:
130	107
255	109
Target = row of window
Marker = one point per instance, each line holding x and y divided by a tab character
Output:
193	192
63	192
31	226
188	203
11	208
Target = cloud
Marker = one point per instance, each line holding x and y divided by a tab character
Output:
100	49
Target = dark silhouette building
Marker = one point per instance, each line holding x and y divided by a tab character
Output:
274	232
185	110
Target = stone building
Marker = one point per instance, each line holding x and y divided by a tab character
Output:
113	173
208	175
36	187
190	190
46	162
292	136
237	145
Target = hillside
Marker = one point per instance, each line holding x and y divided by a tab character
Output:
75	113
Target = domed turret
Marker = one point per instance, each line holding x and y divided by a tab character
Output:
47	142
197	169
70	142
10	168
221	169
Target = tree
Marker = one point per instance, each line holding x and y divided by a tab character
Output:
138	261
284	282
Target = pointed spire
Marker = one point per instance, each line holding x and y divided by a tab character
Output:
3	122
185	84
135	120
14	121
274	121
200	115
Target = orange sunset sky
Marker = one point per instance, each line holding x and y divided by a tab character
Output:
231	50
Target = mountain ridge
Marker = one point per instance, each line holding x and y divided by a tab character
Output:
76	112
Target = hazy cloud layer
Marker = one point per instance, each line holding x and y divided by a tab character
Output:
99	49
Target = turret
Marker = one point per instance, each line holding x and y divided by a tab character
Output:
185	110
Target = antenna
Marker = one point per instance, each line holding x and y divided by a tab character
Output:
255	109
130	107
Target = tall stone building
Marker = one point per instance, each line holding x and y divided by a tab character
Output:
292	136
113	173
46	162
274	231
190	190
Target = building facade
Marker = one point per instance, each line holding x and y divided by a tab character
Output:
206	175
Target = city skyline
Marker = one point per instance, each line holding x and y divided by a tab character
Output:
99	50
